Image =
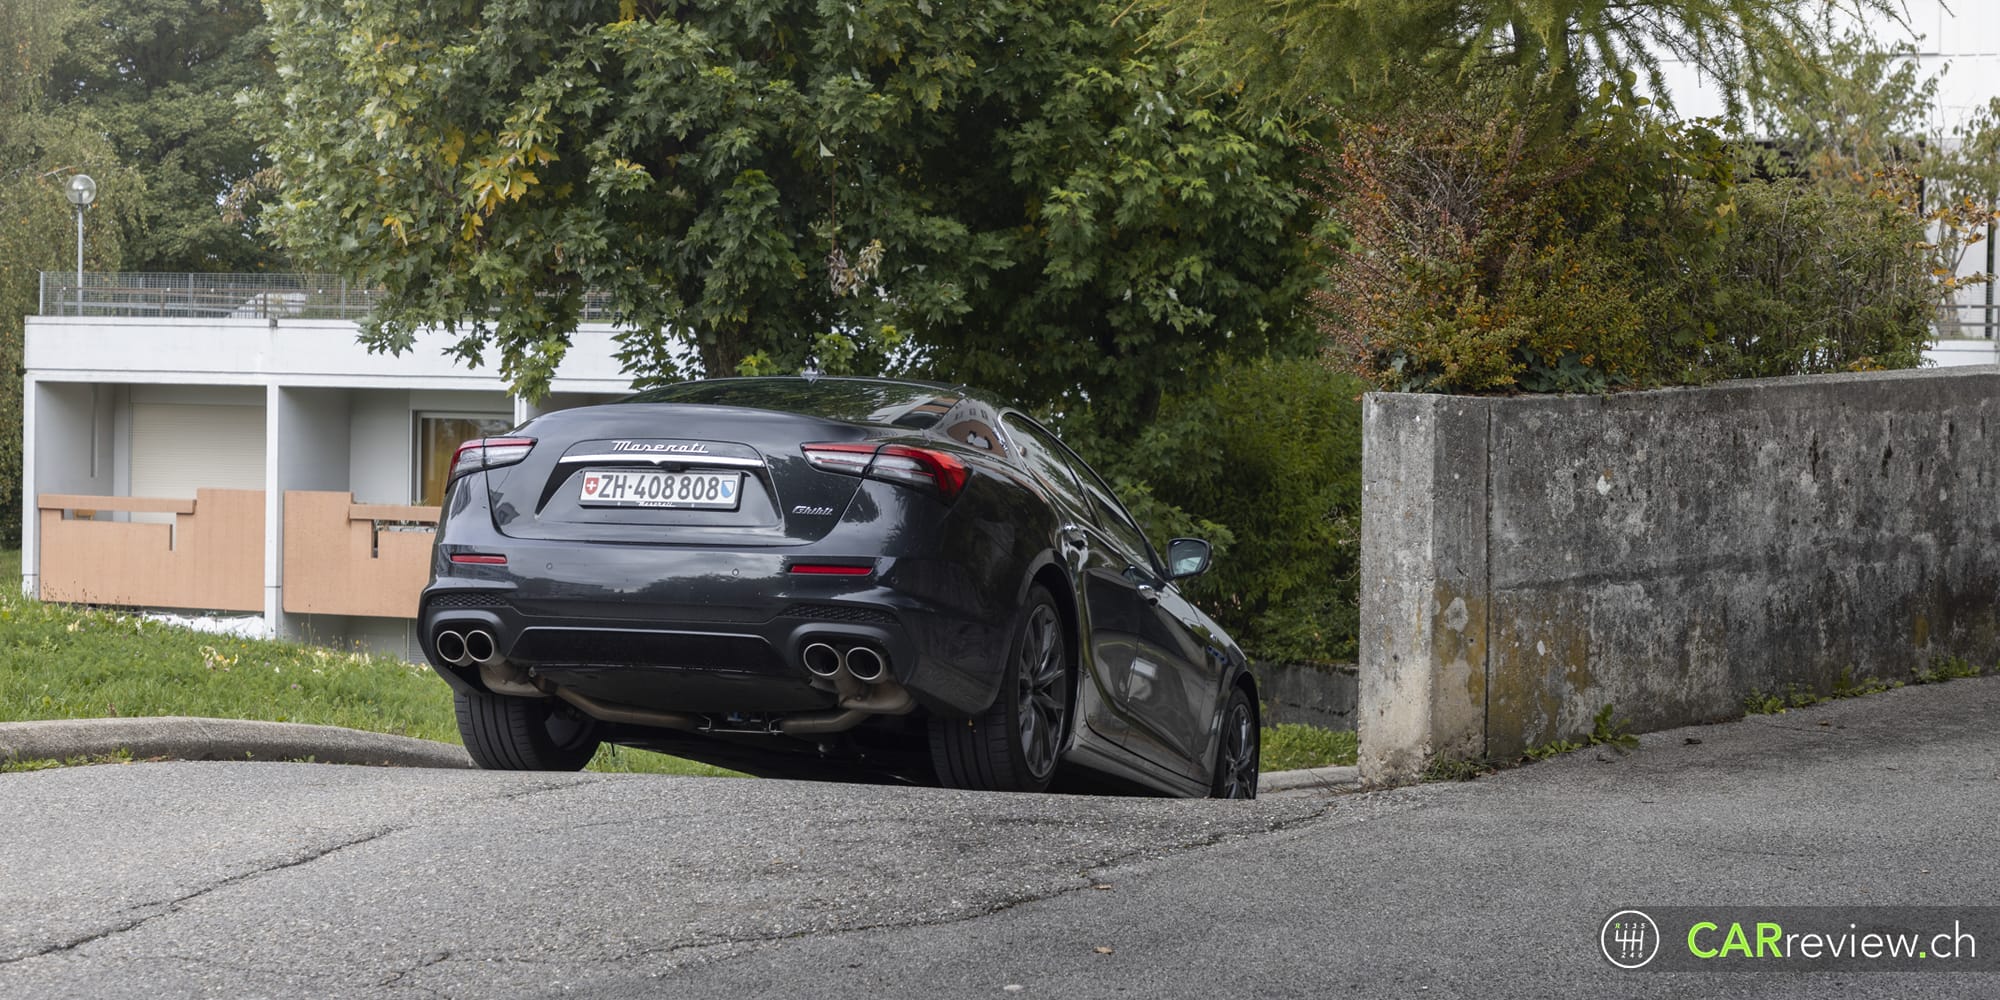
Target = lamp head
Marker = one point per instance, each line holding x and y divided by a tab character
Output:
81	190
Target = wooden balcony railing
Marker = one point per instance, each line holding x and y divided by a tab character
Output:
211	557
345	558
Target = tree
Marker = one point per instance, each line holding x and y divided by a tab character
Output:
161	78
1302	52
1861	120
1009	192
42	144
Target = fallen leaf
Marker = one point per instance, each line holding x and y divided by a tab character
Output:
1102	949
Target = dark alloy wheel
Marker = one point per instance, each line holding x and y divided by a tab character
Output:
1013	745
1236	760
524	734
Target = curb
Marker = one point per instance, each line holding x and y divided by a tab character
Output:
182	738
1330	780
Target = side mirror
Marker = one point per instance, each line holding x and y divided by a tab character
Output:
1187	557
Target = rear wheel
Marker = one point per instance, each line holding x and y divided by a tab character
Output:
524	734
1013	745
1236	760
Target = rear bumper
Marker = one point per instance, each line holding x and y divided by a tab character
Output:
704	631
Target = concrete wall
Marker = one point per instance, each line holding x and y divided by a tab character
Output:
1527	561
1308	695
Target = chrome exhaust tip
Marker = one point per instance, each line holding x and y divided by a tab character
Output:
821	659
451	648
867	665
479	646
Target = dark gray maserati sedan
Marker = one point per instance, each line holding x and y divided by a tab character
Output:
826	577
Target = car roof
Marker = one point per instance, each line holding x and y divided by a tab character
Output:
883	401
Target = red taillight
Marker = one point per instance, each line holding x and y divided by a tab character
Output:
920	467
831	569
489	453
479	558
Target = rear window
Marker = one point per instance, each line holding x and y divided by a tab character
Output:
861	401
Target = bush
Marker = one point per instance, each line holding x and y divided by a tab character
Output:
1541	248
1814	278
1266	464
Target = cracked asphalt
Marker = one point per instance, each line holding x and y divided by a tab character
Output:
298	880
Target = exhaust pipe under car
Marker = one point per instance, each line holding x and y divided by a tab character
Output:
451	648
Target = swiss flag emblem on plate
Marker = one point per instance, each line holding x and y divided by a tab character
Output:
590	486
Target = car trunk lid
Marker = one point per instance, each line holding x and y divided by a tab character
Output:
668	473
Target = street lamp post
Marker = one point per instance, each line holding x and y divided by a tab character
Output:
81	192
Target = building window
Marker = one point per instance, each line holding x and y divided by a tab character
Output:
438	438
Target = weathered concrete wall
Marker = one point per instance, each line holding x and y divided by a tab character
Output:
1308	695
1528	560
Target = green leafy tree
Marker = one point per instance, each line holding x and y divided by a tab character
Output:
42	144
1300	52
1015	193
161	79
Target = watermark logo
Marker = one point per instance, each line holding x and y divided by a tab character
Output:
1630	939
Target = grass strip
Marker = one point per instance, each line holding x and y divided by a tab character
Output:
1290	746
60	661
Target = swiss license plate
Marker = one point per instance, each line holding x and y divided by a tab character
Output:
704	490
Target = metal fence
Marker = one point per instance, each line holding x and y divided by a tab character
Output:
1976	320
225	296
204	296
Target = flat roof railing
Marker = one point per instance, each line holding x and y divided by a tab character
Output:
223	296
203	296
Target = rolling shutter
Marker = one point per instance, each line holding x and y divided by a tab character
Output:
179	447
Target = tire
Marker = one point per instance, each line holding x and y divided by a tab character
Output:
524	734
1013	746
1237	752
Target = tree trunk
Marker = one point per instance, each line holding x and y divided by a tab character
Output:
720	354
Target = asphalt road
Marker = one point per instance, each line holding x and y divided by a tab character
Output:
284	880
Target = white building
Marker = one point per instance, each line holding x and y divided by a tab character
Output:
202	444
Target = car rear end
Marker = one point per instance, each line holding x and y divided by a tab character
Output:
720	570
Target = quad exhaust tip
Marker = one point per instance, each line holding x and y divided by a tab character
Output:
862	663
471	646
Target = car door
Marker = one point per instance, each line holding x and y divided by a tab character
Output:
1085	555
1161	674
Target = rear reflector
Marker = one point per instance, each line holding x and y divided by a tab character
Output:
831	569
924	468
479	558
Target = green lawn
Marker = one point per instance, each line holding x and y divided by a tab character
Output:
1290	746
64	662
